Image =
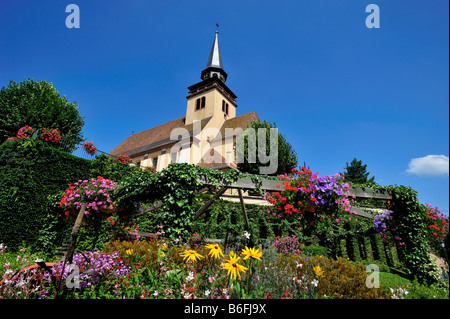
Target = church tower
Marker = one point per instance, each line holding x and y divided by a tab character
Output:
211	97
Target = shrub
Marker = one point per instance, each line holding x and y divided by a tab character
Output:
314	277
314	250
30	171
341	279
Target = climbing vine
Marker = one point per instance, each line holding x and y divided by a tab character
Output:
175	187
407	224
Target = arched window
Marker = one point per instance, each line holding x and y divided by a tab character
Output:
224	107
203	102
197	104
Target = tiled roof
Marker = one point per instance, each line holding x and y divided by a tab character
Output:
241	121
159	136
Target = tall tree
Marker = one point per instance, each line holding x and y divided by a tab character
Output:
38	104
357	172
279	152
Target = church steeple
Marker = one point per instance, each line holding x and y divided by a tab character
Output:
214	66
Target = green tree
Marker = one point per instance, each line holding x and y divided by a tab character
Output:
38	104
248	144
357	172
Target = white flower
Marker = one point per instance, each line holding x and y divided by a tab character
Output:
156	293
190	277
299	265
207	292
314	282
246	235
187	296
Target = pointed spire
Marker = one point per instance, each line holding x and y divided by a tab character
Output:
215	58
214	66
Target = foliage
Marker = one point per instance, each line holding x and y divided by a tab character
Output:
315	250
30	171
286	155
407	225
175	187
54	230
356	172
225	220
38	104
108	167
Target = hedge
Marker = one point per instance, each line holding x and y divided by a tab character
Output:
30	171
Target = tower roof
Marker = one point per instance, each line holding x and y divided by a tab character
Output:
214	66
215	58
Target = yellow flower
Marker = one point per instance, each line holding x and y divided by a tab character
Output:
162	254
318	271
191	255
214	250
129	251
233	267
165	247
251	252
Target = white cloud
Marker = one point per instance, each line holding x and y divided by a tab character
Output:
430	165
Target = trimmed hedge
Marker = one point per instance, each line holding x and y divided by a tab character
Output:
30	171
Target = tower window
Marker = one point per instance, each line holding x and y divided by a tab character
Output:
203	102
224	107
155	161
200	103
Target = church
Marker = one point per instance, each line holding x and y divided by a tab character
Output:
205	136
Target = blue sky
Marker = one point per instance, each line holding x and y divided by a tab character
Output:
335	88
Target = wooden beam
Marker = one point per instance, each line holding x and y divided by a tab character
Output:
362	192
70	249
243	208
209	203
363	212
247	183
271	186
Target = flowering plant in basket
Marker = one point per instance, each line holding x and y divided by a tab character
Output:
124	158
89	148
24	132
51	135
95	192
